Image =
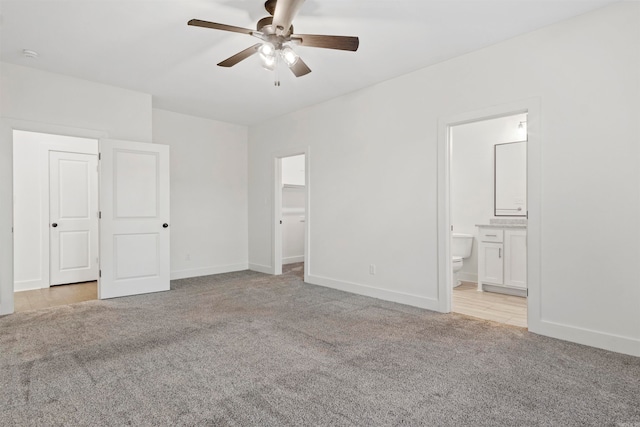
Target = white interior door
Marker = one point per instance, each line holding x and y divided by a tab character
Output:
73	217
134	233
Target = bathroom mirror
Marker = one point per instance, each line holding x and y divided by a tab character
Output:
510	179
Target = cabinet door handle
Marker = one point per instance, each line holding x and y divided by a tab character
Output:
499	252
491	235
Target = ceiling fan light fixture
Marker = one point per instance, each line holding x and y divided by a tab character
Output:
268	62
289	56
267	50
267	54
277	38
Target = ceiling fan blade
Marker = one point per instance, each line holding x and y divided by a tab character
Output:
283	16
300	68
216	26
240	56
327	42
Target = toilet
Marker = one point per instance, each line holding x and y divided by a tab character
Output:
461	245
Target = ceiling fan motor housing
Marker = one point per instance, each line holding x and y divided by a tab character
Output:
265	25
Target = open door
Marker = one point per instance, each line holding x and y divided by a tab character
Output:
134	204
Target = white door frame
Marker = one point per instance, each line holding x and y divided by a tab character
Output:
7	126
276	228
530	106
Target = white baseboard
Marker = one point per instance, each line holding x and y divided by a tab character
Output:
28	285
616	343
261	268
369	291
468	277
293	259
206	271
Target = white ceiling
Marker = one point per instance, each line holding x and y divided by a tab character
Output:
147	46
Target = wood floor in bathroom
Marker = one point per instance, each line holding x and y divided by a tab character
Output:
501	308
55	296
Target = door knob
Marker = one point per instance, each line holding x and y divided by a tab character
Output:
54	225
165	225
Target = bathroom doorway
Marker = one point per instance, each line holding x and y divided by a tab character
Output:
291	204
488	217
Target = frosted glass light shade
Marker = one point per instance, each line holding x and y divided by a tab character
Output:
289	56
267	54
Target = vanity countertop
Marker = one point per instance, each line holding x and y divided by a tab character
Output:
521	226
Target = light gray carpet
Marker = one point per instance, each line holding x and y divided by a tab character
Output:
250	349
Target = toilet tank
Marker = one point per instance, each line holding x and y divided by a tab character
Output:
461	245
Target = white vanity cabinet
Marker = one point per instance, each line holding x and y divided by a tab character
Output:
515	255
502	257
491	263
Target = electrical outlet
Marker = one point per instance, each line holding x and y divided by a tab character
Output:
372	269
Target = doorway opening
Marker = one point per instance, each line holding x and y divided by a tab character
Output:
55	211
291	213
488	217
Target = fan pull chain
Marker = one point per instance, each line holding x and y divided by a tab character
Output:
276	79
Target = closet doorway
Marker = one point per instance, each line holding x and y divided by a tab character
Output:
291	214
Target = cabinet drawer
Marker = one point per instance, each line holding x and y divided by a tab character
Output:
491	235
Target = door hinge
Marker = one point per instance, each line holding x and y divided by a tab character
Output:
99	273
100	214
99	156
452	228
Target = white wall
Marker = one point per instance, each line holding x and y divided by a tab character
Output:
39	101
208	193
373	174
472	177
31	202
41	97
293	209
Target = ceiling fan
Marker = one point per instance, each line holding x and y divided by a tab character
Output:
276	33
